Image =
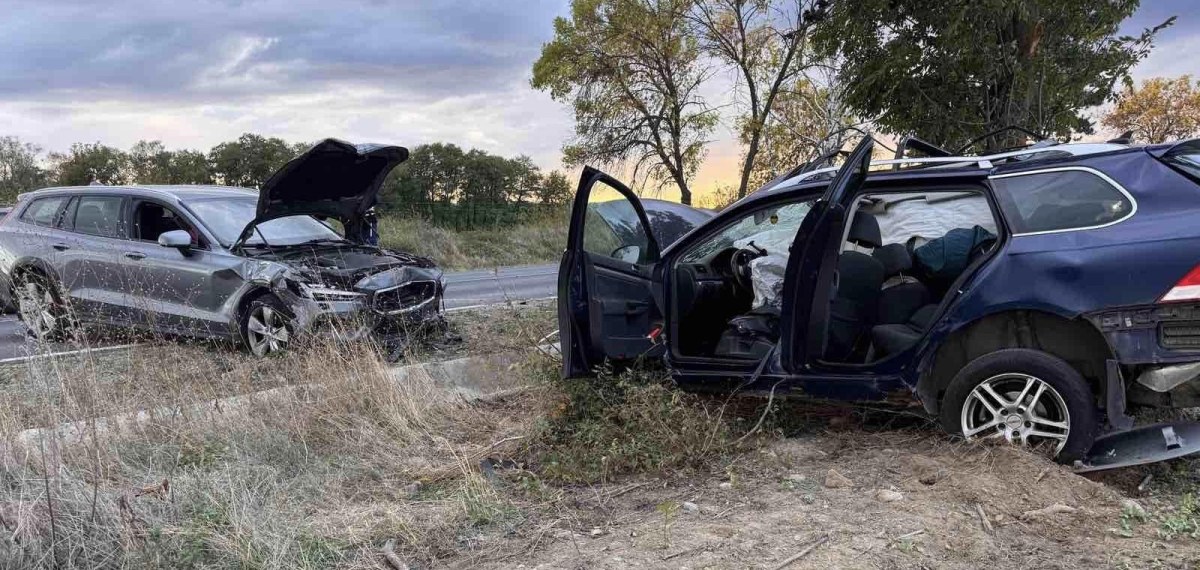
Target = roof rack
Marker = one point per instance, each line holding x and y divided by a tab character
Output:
981	162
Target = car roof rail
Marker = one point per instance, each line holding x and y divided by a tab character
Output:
985	162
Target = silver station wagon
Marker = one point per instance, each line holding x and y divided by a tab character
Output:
262	268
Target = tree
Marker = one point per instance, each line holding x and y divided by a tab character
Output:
189	167
1162	109
149	163
250	160
746	35
951	71
554	189
19	170
88	163
631	71
809	120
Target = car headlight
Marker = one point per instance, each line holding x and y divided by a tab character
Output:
320	293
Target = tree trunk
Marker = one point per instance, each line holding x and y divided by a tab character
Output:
685	193
748	163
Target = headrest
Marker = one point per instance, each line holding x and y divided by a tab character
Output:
864	230
894	257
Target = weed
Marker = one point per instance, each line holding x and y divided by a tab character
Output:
625	422
1185	521
669	510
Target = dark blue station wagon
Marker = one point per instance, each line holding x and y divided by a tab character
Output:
1034	296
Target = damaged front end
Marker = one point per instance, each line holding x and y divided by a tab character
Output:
389	300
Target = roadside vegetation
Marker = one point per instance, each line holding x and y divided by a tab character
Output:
535	241
327	458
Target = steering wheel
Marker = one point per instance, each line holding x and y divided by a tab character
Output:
739	265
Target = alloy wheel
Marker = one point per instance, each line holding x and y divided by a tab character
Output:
37	306
1019	408
266	331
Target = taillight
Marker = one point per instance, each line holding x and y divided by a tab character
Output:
1187	289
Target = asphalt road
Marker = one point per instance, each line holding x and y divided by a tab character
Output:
464	289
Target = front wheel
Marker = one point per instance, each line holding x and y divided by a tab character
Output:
266	327
1025	397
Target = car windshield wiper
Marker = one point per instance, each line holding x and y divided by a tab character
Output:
322	241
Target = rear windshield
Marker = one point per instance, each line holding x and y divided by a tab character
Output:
1186	159
1060	200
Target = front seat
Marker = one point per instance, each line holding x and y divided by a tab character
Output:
855	306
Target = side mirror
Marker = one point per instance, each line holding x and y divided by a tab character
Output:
628	253
177	239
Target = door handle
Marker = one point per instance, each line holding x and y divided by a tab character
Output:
134	254
61	246
636	308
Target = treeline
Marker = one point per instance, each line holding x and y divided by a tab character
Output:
441	182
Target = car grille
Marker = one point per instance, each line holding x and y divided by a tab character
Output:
1184	335
404	297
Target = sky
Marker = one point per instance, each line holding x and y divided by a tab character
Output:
196	73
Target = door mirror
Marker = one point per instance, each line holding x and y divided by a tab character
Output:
628	253
178	239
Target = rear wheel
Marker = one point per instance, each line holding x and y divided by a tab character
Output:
1025	397
266	327
40	307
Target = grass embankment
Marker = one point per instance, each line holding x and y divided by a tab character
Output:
618	471
528	243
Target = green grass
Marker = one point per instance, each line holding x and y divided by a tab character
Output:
533	242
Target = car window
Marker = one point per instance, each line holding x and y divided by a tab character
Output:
1059	200
770	228
99	216
44	210
151	220
612	228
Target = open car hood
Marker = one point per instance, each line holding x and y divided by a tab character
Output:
333	179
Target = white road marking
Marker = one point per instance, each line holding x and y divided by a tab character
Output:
17	359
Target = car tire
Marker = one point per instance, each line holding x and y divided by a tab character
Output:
1025	397
41	307
266	327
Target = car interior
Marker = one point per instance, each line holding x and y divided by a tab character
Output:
900	255
152	220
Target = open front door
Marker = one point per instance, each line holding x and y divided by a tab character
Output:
606	308
810	279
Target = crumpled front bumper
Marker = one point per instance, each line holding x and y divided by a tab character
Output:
357	320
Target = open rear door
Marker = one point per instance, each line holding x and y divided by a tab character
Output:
606	309
811	275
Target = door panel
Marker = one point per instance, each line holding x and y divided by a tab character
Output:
810	277
606	305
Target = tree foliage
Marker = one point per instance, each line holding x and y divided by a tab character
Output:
631	70
87	163
951	71
1161	109
250	160
19	169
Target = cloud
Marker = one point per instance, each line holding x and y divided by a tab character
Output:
193	74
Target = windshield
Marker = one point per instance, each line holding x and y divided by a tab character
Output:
765	227
227	217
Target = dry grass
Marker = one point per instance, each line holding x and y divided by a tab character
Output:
540	242
593	473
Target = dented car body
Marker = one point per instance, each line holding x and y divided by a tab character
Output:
256	267
1034	296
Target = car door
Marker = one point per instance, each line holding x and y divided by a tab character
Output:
177	289
91	260
810	278
606	309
